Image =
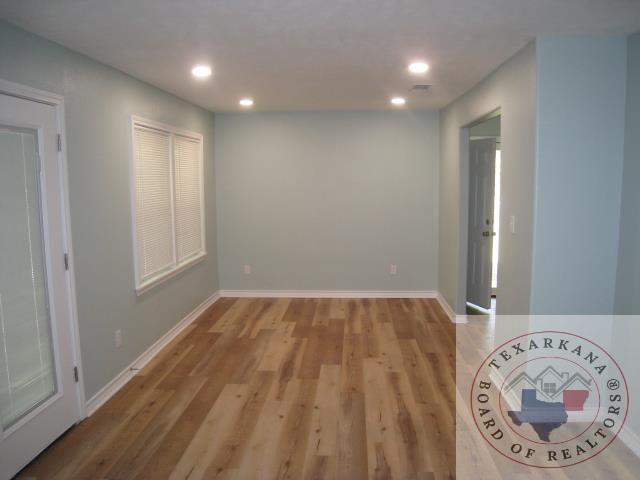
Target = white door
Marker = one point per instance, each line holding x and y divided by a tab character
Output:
38	395
482	156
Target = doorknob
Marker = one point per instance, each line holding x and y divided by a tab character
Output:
487	233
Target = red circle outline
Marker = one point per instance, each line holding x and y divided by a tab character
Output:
626	387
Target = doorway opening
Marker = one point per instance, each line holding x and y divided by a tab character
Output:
485	156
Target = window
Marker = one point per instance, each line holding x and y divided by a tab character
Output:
167	201
549	388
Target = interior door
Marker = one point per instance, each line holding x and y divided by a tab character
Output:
482	156
38	394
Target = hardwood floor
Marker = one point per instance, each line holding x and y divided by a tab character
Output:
281	388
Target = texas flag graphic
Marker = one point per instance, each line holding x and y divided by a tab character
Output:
546	399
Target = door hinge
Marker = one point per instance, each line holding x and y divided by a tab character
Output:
75	374
66	261
59	142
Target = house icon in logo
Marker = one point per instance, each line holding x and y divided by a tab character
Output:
550	384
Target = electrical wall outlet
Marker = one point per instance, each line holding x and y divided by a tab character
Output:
247	269
118	338
393	269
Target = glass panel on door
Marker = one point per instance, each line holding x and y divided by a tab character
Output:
27	373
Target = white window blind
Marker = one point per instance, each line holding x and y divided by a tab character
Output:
188	197
167	200
154	222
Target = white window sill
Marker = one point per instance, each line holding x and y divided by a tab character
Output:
164	276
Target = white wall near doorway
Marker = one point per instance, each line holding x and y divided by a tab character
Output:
511	88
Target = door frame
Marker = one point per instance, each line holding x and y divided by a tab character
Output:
57	102
463	218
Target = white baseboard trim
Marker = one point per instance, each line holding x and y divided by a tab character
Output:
349	294
329	293
111	388
449	310
630	439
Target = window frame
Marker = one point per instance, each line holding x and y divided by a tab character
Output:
144	285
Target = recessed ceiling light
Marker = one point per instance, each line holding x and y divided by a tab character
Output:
246	102
201	71
398	101
418	67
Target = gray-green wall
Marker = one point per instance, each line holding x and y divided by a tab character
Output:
98	102
327	200
627	329
512	88
561	176
581	81
628	278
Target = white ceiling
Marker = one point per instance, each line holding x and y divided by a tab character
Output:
312	54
